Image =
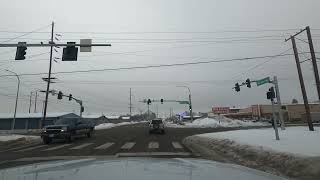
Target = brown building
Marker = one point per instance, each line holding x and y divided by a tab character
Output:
291	112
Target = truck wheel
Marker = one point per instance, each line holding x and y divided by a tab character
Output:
47	140
150	132
69	139
162	132
89	134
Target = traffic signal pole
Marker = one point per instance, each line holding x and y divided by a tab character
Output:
49	78
275	124
275	82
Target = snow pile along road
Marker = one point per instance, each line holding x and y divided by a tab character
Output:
296	140
112	125
296	154
10	137
219	122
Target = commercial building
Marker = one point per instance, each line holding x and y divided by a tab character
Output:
291	112
30	120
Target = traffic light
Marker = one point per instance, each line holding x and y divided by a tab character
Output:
70	53
161	100
248	82
70	97
190	108
149	101
237	87
82	108
60	95
270	93
21	51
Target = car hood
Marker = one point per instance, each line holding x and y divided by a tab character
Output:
134	169
58	126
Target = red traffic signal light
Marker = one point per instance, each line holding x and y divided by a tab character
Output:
60	95
248	82
21	51
237	87
70	97
161	100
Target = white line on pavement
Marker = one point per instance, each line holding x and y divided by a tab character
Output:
128	145
177	145
82	146
56	147
153	145
104	146
31	148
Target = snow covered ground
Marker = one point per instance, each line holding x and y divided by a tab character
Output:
216	122
112	125
296	140
9	137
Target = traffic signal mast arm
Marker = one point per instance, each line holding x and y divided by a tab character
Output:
51	44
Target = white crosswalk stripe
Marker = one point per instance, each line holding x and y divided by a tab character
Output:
128	145
177	145
57	147
81	146
105	146
153	145
31	148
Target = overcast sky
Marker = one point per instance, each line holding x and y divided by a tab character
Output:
153	32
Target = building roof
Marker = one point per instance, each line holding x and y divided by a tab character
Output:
92	116
32	115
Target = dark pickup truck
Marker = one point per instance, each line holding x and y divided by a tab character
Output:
68	129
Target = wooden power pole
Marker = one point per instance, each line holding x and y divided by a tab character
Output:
303	89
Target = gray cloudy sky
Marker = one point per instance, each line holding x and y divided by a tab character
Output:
152	32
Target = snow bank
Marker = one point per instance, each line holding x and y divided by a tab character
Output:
112	125
10	137
296	155
217	122
292	140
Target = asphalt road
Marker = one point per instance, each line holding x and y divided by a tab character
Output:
131	140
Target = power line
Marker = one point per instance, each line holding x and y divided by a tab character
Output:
257	65
25	33
156	66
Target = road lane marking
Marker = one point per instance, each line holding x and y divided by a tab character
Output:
153	145
82	146
177	145
105	146
31	148
56	147
128	145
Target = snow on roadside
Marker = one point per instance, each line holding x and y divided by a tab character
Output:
295	140
10	137
211	123
112	125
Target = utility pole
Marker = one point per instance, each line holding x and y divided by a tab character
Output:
30	102
49	78
157	110
35	102
303	89
130	104
314	61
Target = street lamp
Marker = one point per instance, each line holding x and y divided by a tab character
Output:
190	104
17	96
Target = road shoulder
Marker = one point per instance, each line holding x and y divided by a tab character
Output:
283	164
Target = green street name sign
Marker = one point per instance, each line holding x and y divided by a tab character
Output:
183	102
263	81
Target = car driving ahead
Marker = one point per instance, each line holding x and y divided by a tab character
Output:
156	126
67	129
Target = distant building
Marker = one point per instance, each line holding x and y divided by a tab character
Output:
221	110
30	120
96	118
291	112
